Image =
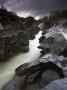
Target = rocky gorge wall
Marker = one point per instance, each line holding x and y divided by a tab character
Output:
13	42
15	33
52	65
40	73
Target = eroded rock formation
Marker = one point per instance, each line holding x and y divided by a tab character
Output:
53	41
13	42
11	21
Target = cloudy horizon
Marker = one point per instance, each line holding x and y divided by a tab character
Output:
34	7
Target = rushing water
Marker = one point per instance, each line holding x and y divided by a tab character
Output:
7	69
64	34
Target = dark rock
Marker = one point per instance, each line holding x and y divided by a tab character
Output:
41	39
30	75
11	21
43	52
33	30
43	33
40	47
13	42
64	52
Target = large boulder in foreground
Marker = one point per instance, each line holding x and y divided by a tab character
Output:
12	42
34	75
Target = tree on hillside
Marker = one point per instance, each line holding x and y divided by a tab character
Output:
2	2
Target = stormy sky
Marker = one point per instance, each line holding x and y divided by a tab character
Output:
34	7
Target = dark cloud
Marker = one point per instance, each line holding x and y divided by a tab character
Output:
36	7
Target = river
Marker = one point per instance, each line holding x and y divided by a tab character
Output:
7	69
